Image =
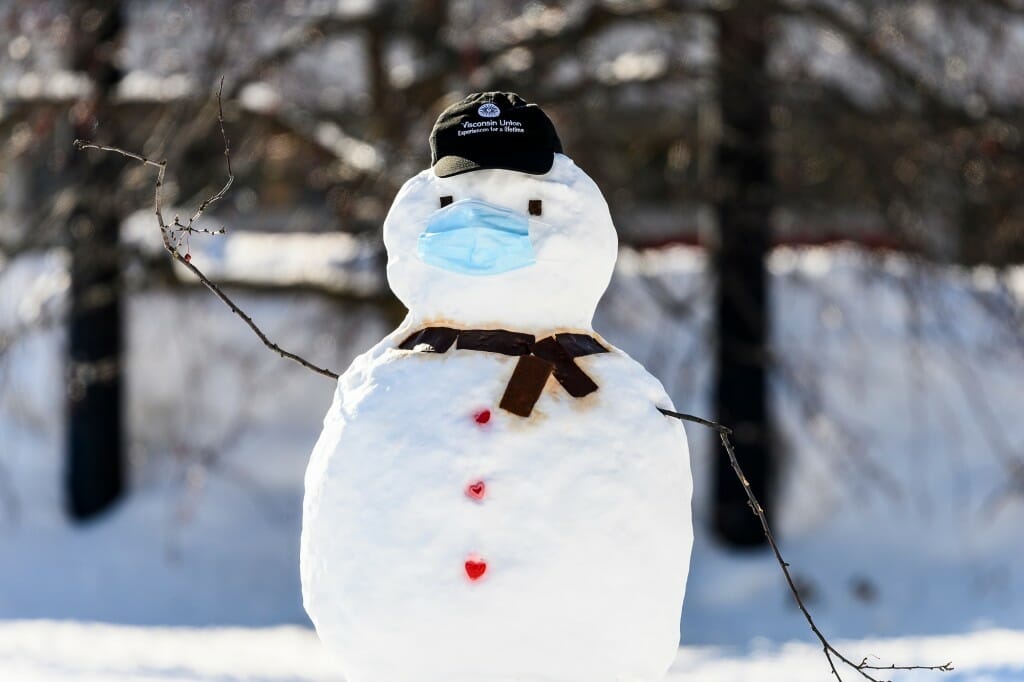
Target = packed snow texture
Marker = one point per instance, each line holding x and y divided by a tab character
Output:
573	240
587	504
897	397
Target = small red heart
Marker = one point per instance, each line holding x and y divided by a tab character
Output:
482	417
475	568
476	490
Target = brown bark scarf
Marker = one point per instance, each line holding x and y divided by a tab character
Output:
537	359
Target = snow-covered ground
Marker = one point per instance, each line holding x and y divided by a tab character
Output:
47	651
898	402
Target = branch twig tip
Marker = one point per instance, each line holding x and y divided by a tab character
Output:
831	653
177	234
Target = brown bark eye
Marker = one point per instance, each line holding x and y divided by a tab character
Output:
445	200
535	206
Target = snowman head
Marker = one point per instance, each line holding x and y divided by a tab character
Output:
503	230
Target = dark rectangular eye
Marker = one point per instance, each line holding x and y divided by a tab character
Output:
445	200
535	207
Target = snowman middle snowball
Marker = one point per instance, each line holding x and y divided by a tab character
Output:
548	540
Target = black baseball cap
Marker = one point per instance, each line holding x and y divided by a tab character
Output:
493	130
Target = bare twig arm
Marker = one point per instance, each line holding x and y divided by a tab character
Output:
831	653
696	420
219	293
173	234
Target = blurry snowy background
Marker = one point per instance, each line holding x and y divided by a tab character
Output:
864	156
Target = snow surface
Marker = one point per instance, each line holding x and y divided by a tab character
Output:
899	394
63	651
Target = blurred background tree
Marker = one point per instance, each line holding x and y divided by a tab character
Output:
95	458
735	125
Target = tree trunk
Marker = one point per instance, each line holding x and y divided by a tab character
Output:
743	208
95	458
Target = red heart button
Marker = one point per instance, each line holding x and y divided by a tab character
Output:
475	568
476	490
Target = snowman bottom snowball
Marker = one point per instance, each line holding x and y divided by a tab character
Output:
494	495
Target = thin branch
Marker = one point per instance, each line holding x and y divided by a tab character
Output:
831	653
227	157
697	420
86	144
249	321
863	665
172	235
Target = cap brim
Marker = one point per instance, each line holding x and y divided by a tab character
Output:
533	163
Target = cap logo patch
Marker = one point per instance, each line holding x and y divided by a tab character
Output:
489	110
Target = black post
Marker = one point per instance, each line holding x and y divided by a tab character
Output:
743	208
95	459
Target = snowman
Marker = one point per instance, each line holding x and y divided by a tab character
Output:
495	495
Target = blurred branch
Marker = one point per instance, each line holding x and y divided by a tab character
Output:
173	235
854	457
975	393
295	41
872	49
150	276
9	338
339	296
353	153
1012	7
831	653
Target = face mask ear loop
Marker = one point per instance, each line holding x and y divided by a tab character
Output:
541	223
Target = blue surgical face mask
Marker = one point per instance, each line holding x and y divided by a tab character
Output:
475	237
